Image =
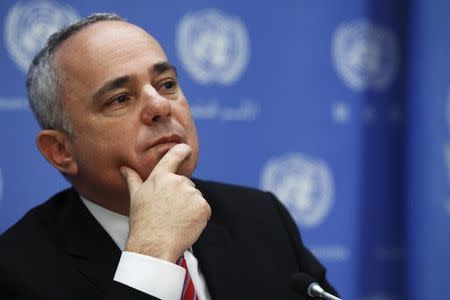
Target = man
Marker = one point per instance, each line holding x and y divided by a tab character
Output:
116	124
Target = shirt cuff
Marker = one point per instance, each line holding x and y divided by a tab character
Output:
151	275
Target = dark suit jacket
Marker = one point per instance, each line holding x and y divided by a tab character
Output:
249	250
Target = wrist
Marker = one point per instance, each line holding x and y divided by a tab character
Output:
156	252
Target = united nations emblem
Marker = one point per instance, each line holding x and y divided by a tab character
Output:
213	47
365	55
304	185
29	24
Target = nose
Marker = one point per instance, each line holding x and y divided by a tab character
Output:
156	107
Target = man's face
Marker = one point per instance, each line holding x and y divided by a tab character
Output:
123	100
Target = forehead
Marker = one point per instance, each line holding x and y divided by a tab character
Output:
107	49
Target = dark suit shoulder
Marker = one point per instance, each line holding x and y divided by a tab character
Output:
231	195
235	204
249	212
36	221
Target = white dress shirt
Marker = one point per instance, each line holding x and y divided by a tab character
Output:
148	274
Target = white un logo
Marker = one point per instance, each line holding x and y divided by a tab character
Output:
366	56
304	185
213	47
29	24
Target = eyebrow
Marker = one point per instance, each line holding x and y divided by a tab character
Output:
162	67
116	83
112	85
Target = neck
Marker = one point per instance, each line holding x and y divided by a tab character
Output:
118	202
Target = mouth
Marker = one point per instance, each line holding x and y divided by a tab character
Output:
167	142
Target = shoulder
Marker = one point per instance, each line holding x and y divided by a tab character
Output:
35	225
217	193
208	184
249	205
214	188
33	248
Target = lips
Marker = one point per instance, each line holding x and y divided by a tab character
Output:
170	139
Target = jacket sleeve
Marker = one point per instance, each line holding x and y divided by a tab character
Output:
121	291
13	287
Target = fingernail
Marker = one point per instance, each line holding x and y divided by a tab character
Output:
182	148
123	171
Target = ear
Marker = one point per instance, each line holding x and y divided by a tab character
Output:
55	146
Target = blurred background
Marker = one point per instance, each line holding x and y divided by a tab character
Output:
341	108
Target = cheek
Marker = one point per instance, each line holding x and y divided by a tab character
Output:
189	126
192	140
184	116
106	148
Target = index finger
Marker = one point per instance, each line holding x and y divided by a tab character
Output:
173	158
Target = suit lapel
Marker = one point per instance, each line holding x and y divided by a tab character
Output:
217	261
93	251
96	255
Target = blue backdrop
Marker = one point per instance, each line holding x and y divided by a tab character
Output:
341	108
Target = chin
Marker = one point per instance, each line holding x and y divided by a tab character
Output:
187	168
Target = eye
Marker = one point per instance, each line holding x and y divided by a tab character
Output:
168	86
119	99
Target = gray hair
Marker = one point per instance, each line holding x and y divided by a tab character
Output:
43	83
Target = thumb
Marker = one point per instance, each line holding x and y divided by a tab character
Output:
134	181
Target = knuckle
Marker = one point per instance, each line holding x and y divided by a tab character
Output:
154	175
189	182
178	179
205	208
202	210
190	192
193	193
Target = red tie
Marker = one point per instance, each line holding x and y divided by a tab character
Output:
188	287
